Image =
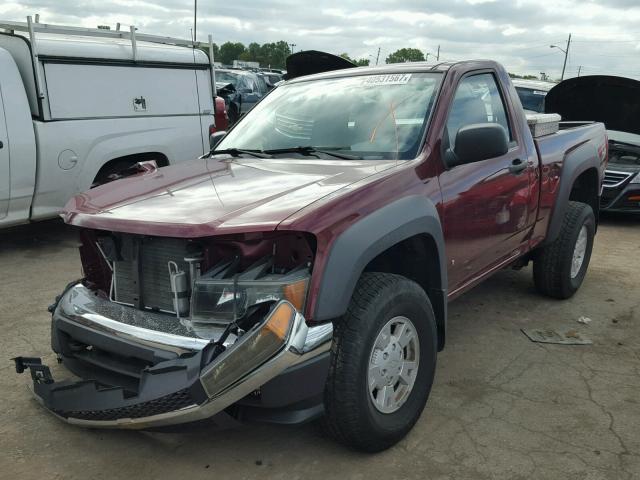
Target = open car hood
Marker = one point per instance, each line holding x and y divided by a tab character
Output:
313	61
614	101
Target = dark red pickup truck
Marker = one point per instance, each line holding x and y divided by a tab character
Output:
303	268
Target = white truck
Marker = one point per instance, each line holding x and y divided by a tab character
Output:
77	105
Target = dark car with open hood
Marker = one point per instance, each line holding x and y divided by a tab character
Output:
614	101
302	269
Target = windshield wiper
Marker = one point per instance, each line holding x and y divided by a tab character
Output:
309	150
236	152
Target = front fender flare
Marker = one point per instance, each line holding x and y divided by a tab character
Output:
366	239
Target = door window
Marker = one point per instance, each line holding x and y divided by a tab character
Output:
477	100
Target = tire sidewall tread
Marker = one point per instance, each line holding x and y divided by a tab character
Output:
350	414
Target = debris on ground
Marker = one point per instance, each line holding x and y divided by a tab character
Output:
570	337
584	320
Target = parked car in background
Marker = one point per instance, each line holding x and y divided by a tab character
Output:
532	93
303	268
78	106
614	101
272	79
241	90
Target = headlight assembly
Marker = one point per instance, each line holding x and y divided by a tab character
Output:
222	295
252	350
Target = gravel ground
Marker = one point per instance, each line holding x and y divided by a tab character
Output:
501	406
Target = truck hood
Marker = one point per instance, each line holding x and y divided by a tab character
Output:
614	101
211	196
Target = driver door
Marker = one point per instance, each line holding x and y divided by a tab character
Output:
486	204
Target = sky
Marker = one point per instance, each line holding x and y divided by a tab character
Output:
518	33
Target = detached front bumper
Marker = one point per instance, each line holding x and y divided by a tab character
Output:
141	369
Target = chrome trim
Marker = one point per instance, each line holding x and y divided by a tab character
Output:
81	306
626	175
316	336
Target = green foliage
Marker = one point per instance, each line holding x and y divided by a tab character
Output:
363	62
230	51
274	54
406	55
216	51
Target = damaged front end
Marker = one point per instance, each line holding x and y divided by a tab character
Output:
166	331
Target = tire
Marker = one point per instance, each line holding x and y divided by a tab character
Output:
351	416
552	266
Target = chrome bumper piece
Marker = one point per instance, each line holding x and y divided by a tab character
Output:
82	308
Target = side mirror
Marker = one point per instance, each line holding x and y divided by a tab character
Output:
216	138
477	142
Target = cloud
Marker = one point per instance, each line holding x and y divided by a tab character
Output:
515	32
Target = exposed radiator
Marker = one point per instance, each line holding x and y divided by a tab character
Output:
153	284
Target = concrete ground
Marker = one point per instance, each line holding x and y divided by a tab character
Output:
501	407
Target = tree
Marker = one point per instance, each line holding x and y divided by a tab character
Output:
406	55
274	54
252	53
230	51
216	51
363	62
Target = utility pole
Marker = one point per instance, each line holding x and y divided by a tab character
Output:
378	56
427	59
292	45
579	70
195	18
438	54
566	55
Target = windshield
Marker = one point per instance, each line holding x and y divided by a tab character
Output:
226	77
531	99
368	116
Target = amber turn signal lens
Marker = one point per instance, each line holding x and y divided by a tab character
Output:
280	321
296	293
634	198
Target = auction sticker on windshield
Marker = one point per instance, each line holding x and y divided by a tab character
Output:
391	79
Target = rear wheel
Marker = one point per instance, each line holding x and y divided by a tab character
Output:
560	267
382	363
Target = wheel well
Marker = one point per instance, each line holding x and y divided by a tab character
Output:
585	190
416	258
128	160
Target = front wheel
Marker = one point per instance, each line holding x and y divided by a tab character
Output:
560	267
382	363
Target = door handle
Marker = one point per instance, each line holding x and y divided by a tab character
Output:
517	166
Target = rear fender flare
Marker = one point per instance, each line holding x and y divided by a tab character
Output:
575	163
365	240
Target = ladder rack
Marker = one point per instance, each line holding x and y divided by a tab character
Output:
132	35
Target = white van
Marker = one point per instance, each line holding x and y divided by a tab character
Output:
77	105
